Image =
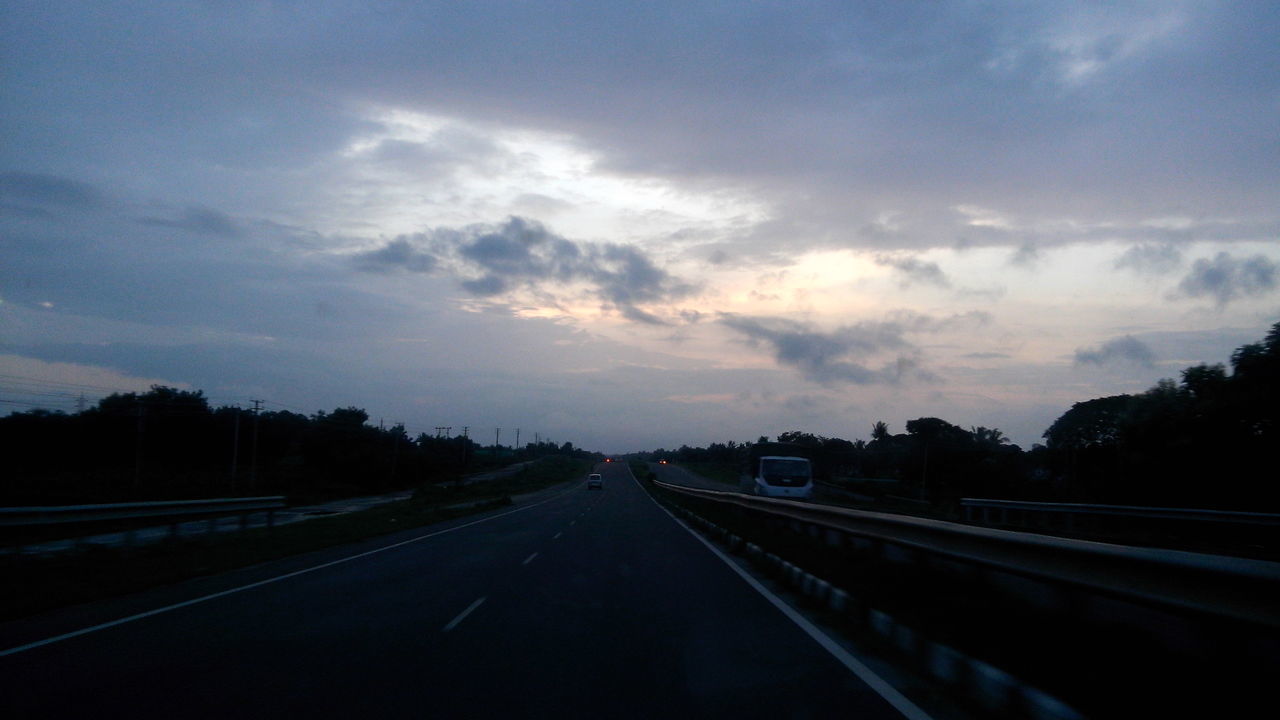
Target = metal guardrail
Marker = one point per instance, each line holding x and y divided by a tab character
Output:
59	514
1227	587
990	510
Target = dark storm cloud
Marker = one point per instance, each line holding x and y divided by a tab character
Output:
1226	278
1126	348
913	270
1150	259
490	260
204	221
839	356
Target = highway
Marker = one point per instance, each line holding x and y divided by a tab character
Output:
575	604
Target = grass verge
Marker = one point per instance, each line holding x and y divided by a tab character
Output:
36	584
719	472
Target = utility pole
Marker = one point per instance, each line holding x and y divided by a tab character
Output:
466	446
137	451
517	439
497	432
253	457
235	446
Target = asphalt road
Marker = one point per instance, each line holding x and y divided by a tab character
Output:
587	604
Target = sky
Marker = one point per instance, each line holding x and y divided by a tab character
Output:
635	225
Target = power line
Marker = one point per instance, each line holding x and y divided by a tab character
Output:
27	403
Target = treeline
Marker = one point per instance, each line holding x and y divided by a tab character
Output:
171	444
1208	440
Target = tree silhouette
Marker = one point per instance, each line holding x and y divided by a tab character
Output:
880	431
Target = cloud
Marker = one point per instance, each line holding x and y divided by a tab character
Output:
1125	349
911	321
204	221
913	270
839	356
521	254
1226	278
857	126
398	254
39	189
447	150
1027	256
1150	259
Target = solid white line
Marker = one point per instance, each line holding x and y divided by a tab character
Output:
856	666
557	535
529	559
260	583
463	615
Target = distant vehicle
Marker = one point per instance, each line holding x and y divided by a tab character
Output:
595	482
662	462
778	470
608	459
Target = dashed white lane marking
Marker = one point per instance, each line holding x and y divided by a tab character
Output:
856	666
571	522
529	559
557	535
463	615
260	583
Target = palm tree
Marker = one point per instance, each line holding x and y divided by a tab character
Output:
880	431
985	435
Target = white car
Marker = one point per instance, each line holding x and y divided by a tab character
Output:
595	482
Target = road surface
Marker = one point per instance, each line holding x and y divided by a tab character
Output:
583	604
